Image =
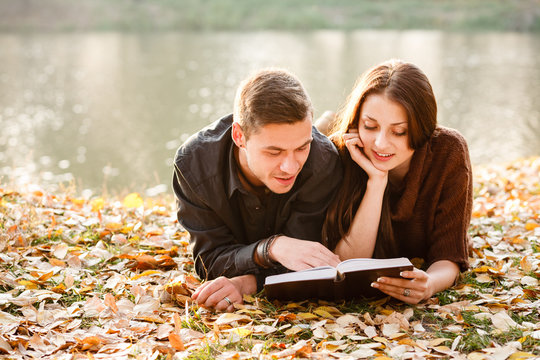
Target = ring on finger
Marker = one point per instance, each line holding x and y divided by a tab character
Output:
407	292
228	300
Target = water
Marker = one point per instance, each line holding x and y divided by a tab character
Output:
108	110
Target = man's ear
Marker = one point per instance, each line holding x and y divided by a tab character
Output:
238	135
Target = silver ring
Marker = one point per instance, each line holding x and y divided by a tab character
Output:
406	292
227	300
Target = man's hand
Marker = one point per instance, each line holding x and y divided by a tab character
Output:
222	293
298	255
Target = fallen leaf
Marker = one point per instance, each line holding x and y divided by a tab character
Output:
133	200
176	342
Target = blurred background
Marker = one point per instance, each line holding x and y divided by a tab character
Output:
101	93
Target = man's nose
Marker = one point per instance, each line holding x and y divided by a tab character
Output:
289	165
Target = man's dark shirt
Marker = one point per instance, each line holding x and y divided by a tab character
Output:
226	222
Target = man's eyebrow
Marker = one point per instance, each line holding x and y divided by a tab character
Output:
373	119
276	148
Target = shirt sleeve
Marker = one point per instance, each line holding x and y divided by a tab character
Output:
452	218
308	211
215	250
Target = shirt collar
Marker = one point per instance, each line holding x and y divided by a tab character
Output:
234	179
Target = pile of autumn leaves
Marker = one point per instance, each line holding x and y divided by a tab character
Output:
100	278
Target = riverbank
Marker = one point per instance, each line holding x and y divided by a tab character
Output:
96	277
250	15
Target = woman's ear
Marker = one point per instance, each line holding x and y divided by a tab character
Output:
238	135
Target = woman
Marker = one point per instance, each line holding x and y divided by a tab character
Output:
407	187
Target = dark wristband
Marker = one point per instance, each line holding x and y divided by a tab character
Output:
261	255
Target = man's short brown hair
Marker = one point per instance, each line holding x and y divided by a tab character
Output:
270	96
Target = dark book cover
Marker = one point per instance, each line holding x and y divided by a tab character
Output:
351	279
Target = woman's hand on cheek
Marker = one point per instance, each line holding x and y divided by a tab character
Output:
412	288
356	150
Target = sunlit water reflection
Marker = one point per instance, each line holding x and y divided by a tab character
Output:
109	110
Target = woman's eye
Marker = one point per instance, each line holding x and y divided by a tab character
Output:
400	133
367	127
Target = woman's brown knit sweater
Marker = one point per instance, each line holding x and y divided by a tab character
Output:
432	209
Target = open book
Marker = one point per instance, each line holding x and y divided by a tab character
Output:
349	280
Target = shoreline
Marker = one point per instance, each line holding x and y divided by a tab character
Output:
253	15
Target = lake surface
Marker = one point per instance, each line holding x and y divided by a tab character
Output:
108	110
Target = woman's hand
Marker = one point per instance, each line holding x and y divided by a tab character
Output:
415	286
356	149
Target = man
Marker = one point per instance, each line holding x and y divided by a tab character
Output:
252	190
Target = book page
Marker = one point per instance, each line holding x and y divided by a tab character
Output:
371	264
318	273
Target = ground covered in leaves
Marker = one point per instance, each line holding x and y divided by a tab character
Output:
92	277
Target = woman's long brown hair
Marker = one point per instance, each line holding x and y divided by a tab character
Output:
407	85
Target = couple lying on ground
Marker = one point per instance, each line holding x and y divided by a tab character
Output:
262	191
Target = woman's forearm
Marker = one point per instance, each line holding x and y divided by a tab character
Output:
361	238
443	274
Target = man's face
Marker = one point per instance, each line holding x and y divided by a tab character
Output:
274	154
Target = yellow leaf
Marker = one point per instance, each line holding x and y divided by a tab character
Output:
387	312
324	314
97	204
307	316
28	284
292	305
531	225
59	289
438	341
485	269
146	273
133	200
113	226
46	276
476	356
242	332
521	355
252	312
86	289
331	309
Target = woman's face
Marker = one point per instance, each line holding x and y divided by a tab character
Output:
383	129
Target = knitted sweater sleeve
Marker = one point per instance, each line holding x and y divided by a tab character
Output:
449	239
